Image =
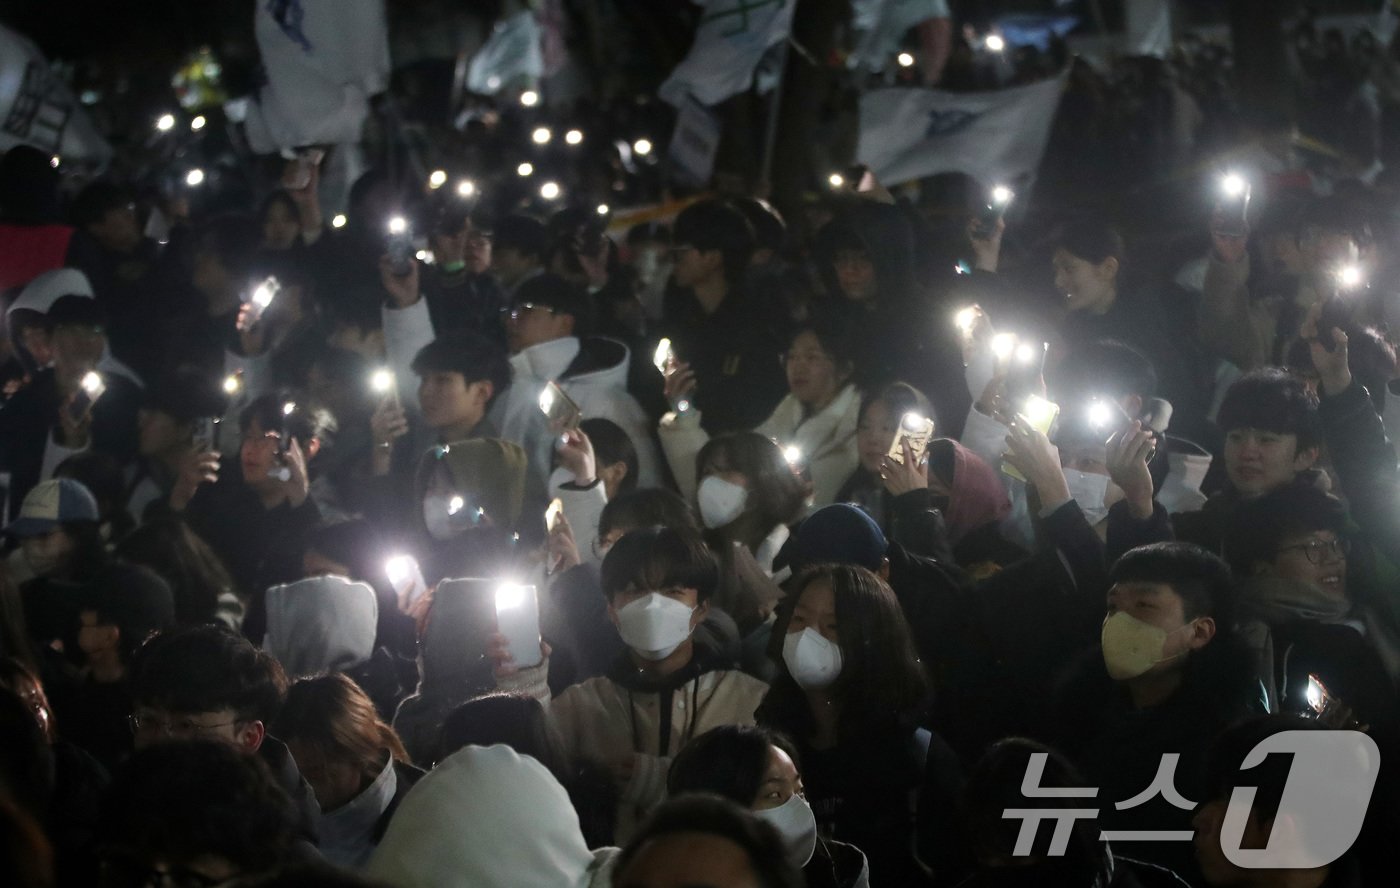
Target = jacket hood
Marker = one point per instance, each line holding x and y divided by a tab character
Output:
40	294
485	816
491	470
321	624
595	360
977	496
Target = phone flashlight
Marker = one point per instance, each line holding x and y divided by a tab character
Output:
466	188
406	577
382	381
233	384
1002	196
261	298
455	505
1025	353
1100	414
574	137
967	319
400	247
546	400
550	191
836	180
436	179
509	596
1233	185
1233	207
1040	413
194	178
1349	276
1318	697
551	514
662	357
165	123
793	454
92	384
999	199
541	135
1003	346
994	43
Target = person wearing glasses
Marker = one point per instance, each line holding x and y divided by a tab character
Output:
208	683
1309	608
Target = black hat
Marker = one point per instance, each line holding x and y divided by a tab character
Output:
133	598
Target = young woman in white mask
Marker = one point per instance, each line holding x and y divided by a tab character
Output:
758	768
851	693
665	689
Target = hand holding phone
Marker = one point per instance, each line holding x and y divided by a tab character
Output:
916	431
1036	414
560	411
90	388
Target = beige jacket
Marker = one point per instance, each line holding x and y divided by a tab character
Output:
603	722
1233	325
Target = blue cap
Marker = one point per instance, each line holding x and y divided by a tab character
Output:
838	534
51	503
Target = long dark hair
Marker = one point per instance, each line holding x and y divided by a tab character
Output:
193	570
776	494
727	761
882	681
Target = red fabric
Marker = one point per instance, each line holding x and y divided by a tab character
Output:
27	251
977	497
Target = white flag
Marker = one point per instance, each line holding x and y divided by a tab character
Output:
324	60
511	57
1149	27
732	38
995	136
38	109
880	26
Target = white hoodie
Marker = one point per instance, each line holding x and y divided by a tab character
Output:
320	624
486	817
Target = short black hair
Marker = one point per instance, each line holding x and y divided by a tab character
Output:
1200	578
561	296
192	799
714	816
718	225
728	761
1272	400
304	422
770	231
648	507
470	354
1106	368
1093	241
612	445
899	398
837	342
656	558
524	234
98	199
1259	526
205	669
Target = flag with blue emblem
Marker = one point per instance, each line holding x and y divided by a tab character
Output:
995	136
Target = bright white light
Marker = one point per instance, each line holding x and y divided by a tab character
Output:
541	135
466	188
525	169
1232	184
1100	414
289	408
529	98
836	180
914	422
1317	698
92	384
546	400
1001	196
995	43
906	60
398	225
382	381
603	209
966	319
509	596
197	123
1349	276
54	161
550	190
400	568
1039	412
455	504
165	123
642	147
793	454
1025	353
574	137
194	177
232	383
551	514
421	255
662	356
1004	345
265	292
437	178
339	220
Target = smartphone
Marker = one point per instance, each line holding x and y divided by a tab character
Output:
460	628
383	383
552	514
560	411
663	357
406	577
281	471
400	247
1233	206
1336	313
1108	418
518	619
89	390
1025	369
206	434
1318	696
918	431
994	211
259	301
1040	414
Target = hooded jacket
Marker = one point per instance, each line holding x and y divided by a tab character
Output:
320	624
593	373
605	718
488	816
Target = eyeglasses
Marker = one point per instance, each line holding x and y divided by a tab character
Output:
183	727
1321	551
518	310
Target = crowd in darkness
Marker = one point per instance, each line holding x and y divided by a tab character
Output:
469	537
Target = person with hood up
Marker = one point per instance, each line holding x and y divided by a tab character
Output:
815	423
667	688
46	421
486	817
875	300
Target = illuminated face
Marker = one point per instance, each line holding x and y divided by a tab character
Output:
1258	461
780	781
875	434
1085	285
1157	604
449	402
812	374
855	274
258	454
816	609
1318	558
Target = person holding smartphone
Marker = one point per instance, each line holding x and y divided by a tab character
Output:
668	686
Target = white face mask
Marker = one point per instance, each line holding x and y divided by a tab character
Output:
720	501
1090	491
796	823
654	625
812	661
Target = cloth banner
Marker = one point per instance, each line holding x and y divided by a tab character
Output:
729	43
37	108
324	59
995	136
512	57
1149	27
880	26
693	144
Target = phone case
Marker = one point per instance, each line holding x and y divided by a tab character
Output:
463	619
559	409
518	619
1042	423
918	441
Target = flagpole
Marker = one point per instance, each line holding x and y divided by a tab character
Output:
770	139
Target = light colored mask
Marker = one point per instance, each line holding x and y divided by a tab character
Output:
720	501
654	625
812	661
796	823
1132	647
1090	490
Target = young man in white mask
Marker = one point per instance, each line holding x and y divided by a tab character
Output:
668	686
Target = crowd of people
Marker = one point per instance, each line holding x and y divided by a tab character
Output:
464	541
